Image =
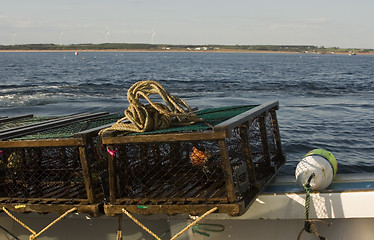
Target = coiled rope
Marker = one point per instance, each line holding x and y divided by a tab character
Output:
34	235
153	116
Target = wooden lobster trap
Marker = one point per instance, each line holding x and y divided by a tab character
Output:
51	164
224	162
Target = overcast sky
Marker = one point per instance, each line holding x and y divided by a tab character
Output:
329	23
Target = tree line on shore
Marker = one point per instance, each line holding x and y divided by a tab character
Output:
165	47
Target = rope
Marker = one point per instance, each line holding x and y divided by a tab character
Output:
308	190
178	234
34	235
153	116
194	222
139	223
119	231
204	228
309	225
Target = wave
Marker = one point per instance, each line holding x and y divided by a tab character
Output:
325	102
29	93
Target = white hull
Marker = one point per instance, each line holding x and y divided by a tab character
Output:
278	213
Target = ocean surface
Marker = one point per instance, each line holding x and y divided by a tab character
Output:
326	101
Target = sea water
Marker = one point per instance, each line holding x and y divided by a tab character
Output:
326	101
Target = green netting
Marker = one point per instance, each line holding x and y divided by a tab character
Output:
25	122
71	129
211	116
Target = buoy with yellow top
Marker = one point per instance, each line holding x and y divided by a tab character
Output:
317	169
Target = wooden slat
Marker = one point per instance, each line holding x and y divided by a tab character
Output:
93	210
168	201
86	174
160	191
212	189
227	170
78	192
53	191
170	137
191	194
112	179
277	134
220	193
40	200
68	190
42	143
244	135
188	182
264	138
183	190
232	209
175	187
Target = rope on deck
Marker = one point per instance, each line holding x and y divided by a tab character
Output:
194	222
176	235
140	224
34	235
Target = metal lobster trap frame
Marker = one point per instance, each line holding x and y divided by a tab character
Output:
224	162
51	164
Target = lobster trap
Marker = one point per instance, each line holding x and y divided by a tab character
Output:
51	164
224	162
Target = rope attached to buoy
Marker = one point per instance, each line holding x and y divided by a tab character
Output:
34	235
309	225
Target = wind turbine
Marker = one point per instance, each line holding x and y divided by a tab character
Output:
107	34
13	37
61	38
153	35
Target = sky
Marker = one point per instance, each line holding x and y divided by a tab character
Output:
328	23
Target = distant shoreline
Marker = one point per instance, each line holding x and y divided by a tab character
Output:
183	50
144	47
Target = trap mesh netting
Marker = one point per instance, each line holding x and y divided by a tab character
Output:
195	171
224	160
43	169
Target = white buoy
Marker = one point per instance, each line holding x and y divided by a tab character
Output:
320	163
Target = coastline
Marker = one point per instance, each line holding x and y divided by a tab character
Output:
183	50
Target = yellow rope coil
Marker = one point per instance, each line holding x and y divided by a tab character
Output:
153	116
34	235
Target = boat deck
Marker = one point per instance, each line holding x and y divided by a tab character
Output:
277	214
